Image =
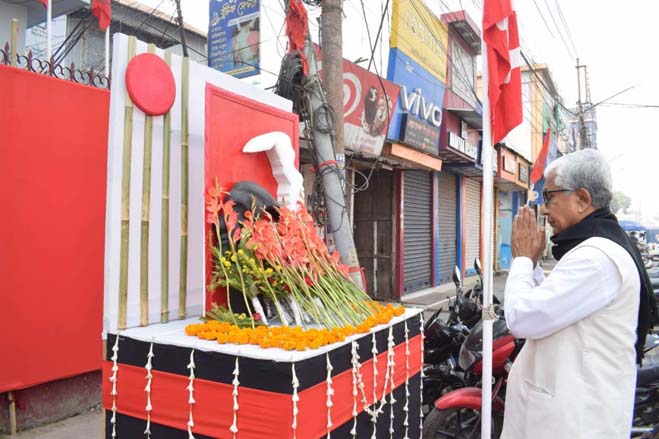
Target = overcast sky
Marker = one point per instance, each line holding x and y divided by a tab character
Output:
616	40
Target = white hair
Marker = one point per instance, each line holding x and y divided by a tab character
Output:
586	169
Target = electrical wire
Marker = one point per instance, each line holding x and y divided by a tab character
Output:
567	28
560	33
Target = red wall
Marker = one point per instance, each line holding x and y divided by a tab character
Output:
53	153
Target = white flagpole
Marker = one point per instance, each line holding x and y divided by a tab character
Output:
49	18
486	411
107	52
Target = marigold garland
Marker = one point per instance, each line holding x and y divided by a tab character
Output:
289	337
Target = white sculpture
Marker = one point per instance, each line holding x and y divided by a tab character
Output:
279	149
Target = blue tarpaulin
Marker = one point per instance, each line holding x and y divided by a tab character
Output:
631	226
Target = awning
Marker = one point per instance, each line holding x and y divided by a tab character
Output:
410	157
469	115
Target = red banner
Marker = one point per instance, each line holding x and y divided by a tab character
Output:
52	193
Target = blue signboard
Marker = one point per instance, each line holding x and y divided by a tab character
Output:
233	37
421	95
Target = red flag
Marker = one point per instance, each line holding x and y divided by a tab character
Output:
541	161
503	60
297	28
103	11
44	3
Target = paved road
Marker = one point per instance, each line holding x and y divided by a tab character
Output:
85	426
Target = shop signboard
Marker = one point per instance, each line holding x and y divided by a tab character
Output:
419	134
368	107
461	145
233	37
509	164
421	35
421	95
523	173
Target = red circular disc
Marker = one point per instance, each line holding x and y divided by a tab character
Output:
150	84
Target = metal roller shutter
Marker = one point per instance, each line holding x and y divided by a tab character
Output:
447	226
417	230
472	223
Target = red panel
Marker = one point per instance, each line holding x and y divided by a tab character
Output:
232	120
53	154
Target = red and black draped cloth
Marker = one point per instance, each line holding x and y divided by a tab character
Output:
265	395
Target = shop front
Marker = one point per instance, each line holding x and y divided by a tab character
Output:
459	229
418	66
507	192
368	101
459	187
413	143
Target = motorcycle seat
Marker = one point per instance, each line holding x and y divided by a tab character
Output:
647	375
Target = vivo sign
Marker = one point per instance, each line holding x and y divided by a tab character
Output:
415	104
421	94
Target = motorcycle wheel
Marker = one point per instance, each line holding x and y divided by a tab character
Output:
458	423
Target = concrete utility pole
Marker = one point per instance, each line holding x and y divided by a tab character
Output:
331	26
582	125
332	49
324	150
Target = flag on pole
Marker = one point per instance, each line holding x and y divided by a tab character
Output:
44	3
503	58
541	161
103	11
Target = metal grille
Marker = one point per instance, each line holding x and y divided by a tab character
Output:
447	226
70	73
472	223
417	230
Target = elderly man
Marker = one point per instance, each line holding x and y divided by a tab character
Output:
575	377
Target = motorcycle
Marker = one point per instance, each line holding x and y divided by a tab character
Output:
443	340
457	414
646	401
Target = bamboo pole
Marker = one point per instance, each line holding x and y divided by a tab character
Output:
125	200
183	278
164	237
12	42
12	413
146	204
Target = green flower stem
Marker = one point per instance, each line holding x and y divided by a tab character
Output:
333	287
332	301
226	275
240	273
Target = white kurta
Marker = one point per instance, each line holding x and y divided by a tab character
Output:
575	377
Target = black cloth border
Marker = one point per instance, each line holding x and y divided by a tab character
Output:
264	375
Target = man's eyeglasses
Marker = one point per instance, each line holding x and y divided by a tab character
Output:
547	197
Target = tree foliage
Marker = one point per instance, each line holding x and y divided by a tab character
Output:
620	201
